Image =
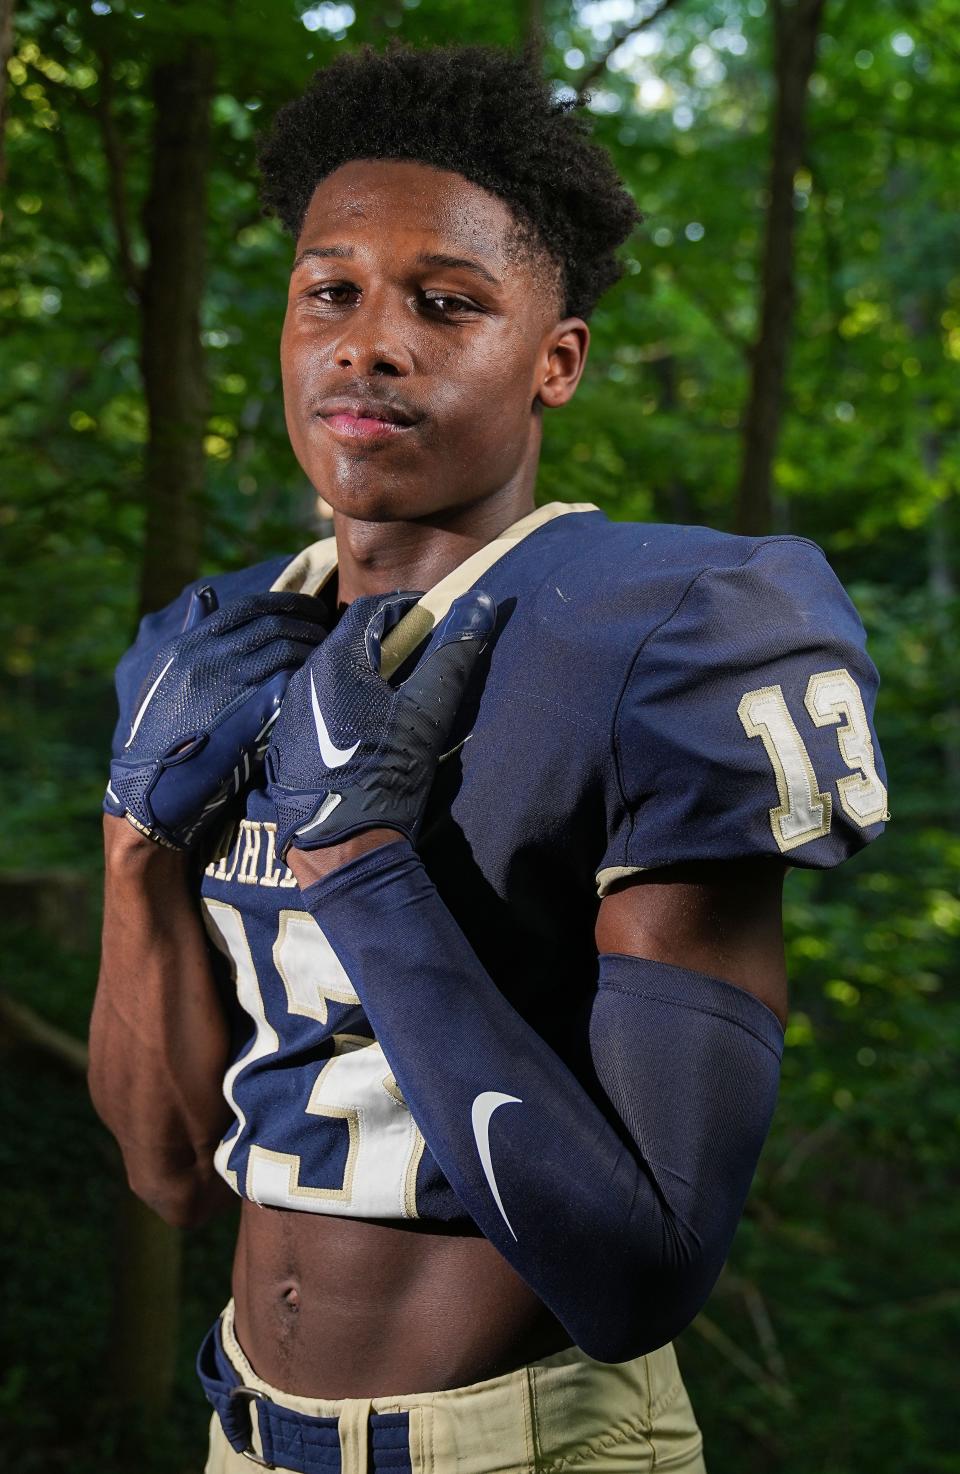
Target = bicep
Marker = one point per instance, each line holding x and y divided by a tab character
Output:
724	920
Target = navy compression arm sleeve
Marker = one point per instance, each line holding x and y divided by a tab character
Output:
620	1228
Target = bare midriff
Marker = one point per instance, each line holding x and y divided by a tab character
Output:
344	1307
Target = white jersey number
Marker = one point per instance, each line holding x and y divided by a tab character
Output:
354	1086
804	812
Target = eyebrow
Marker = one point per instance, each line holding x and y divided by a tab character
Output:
462	263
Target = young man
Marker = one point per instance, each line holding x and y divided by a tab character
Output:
473	989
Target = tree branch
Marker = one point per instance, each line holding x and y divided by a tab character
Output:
124	265
113	153
714	315
833	263
766	1335
911	128
29	1028
745	1364
75	184
596	68
948	1299
937	37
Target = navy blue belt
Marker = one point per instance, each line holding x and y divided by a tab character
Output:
291	1440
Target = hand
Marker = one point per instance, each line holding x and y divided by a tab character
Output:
349	752
205	709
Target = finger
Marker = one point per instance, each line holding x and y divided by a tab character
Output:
471	617
385	618
250	607
352	651
437	685
229	649
470	620
203	602
280	654
267	629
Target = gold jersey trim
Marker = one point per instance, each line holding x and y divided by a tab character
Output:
310	569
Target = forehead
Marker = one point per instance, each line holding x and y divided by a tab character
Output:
400	200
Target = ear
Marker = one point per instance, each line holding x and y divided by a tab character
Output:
563	355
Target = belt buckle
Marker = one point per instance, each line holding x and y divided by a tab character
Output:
253	1394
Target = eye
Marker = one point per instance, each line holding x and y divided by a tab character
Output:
443	305
448	305
334	286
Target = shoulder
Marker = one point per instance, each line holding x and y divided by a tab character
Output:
160	624
759	612
757	593
676	561
637	586
745	722
163	624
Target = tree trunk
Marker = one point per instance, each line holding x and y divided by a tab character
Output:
174	219
143	1339
943	595
6	51
921	310
532	20
672	501
796	27
146	1311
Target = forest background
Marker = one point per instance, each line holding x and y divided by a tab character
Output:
782	353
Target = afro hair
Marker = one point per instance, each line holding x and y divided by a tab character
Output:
479	111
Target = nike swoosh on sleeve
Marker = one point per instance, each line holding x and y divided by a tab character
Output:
146	702
483	1108
333	756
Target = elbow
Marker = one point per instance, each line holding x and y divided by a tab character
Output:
185	1200
624	1339
184	1194
638	1313
175	1178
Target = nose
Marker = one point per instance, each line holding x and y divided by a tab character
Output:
373	341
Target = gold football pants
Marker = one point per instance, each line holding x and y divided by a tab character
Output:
566	1413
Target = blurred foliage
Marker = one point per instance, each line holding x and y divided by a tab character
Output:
830	1342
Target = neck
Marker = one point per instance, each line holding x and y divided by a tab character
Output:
375	557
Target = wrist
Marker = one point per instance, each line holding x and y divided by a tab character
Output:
125	847
310	866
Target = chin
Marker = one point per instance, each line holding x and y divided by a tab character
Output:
378	503
371	509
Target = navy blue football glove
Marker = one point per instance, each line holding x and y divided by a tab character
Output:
205	709
349	751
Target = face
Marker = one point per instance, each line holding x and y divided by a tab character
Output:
419	345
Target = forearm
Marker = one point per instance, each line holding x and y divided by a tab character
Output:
619	1220
158	1037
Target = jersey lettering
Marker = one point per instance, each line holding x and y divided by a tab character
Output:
834	694
353	1086
804	812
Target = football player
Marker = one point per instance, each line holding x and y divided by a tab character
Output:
445	856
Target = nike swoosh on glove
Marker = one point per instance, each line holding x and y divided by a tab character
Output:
349	751
205	710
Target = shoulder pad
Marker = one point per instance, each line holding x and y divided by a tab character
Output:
162	624
746	723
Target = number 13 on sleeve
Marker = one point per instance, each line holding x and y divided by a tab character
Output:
803	813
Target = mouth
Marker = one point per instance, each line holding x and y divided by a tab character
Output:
364	419
362	427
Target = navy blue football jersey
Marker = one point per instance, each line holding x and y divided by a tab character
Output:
652	695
